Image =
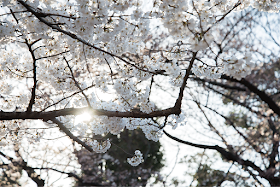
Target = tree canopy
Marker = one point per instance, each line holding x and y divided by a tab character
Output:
93	69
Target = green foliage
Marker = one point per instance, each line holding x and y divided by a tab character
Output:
130	141
203	169
114	160
241	119
206	176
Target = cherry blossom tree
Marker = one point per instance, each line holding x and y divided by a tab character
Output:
241	114
64	59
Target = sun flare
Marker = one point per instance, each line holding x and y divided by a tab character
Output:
83	117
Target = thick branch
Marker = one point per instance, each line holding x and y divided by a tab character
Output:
182	88
225	86
32	99
237	102
262	95
77	111
226	154
273	154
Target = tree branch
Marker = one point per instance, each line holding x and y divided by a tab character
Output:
262	95
237	102
77	111
41	16
32	99
211	125
182	88
237	88
30	171
70	174
226	154
236	129
76	82
70	135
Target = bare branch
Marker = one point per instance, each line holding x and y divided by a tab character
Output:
263	96
226	154
76	82
33	92
182	88
68	133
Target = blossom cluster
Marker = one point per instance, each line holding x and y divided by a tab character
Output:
231	66
239	68
100	147
136	159
13	132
